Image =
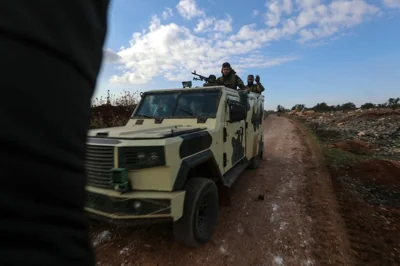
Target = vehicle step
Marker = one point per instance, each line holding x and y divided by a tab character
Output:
231	176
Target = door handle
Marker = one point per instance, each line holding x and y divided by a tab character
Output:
239	131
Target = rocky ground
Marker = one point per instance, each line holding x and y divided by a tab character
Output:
376	131
362	156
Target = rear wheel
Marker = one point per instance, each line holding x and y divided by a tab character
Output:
200	213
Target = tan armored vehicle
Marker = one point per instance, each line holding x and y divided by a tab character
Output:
175	159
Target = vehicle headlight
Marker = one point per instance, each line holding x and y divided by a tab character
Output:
141	157
149	157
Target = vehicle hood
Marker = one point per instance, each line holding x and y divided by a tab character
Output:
128	132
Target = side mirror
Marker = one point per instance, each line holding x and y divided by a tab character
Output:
237	112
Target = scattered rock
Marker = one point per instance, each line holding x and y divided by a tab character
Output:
101	238
260	197
381	129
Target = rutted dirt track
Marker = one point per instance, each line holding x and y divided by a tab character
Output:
283	213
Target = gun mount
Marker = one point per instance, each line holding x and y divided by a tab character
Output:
211	80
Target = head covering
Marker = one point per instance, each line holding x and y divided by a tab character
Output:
226	64
250	76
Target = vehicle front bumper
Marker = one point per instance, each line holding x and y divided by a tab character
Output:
113	207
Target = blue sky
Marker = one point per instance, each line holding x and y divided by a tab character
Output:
305	51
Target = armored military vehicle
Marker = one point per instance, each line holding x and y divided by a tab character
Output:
175	159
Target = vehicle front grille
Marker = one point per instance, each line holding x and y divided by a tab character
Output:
99	161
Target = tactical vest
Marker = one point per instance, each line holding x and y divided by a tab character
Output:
231	82
254	88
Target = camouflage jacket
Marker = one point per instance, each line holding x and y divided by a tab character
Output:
232	81
256	88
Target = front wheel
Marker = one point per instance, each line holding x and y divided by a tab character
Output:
200	213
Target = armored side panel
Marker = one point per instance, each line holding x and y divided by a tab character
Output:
254	125
234	134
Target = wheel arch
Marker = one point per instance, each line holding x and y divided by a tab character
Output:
202	164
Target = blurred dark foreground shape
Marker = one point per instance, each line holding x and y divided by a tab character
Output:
50	56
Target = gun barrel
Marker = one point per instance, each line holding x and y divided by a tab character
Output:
200	77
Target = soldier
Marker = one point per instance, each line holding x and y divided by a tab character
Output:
229	78
256	88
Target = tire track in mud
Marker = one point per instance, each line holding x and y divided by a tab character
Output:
360	243
278	230
367	225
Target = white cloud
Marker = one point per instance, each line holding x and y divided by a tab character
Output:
330	19
223	25
172	51
189	9
167	13
209	24
306	4
311	19
255	12
275	10
204	25
392	3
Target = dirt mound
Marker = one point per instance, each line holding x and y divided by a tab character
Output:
369	199
109	115
381	172
370	114
355	146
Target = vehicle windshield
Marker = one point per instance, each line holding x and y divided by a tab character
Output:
179	104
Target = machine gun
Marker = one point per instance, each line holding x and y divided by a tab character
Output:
210	81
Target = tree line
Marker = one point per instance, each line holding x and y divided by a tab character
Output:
349	106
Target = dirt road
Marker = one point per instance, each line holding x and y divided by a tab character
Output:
283	213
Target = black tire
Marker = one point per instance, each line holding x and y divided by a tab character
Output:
196	226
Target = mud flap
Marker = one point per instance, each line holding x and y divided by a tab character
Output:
256	146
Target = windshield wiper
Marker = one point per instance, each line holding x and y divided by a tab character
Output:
177	103
189	112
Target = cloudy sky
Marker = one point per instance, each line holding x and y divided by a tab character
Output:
305	51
